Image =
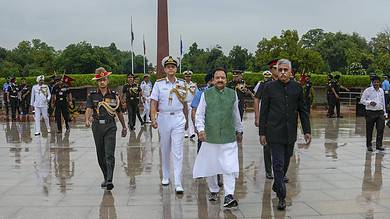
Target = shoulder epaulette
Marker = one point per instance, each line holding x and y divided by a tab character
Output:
180	79
92	92
161	79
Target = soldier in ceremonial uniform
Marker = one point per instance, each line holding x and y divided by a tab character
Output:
308	93
61	96
334	97
169	100
25	94
146	87
13	97
191	89
102	106
238	84
132	91
40	97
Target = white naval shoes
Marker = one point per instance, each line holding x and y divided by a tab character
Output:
165	182
179	190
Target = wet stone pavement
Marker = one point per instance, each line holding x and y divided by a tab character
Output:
57	176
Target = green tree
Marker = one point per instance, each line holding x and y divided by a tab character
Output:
312	37
239	58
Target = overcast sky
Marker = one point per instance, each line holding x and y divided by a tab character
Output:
207	22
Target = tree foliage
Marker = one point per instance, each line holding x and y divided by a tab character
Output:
316	51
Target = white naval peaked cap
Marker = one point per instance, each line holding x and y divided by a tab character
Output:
169	60
188	72
40	78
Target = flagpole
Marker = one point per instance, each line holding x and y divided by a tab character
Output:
132	47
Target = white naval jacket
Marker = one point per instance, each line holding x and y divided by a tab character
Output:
40	95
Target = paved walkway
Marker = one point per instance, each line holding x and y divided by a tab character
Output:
57	176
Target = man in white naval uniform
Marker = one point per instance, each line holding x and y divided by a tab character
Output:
146	87
40	97
191	89
168	98
219	128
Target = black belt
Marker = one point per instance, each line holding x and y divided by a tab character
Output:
375	111
105	120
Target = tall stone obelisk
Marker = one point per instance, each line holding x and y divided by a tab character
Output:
162	35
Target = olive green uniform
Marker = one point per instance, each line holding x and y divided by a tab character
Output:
104	130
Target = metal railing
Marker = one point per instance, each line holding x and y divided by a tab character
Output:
349	97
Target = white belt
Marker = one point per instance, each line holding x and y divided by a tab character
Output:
171	113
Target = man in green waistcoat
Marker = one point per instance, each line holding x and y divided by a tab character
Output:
219	128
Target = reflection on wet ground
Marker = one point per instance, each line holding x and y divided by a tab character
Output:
57	176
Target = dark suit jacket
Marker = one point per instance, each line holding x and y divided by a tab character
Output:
280	105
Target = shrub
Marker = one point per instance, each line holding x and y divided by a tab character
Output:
251	79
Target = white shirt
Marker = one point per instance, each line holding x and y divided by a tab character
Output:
201	114
40	95
162	92
146	88
256	87
191	87
371	95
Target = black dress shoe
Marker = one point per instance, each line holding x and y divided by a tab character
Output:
103	184
380	148
110	186
282	205
269	176
230	202
339	116
286	179
369	148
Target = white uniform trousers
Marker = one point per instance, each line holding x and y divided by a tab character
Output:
229	183
146	111
191	129
171	128
37	117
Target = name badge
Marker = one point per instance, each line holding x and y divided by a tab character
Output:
102	121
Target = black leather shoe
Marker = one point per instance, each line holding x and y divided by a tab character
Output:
380	148
369	148
282	205
230	202
103	184
110	186
286	179
269	176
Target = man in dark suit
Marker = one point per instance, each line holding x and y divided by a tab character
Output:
282	100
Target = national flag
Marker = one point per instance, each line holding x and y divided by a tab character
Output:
144	45
132	33
181	47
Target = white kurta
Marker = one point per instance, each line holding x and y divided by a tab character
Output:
216	159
